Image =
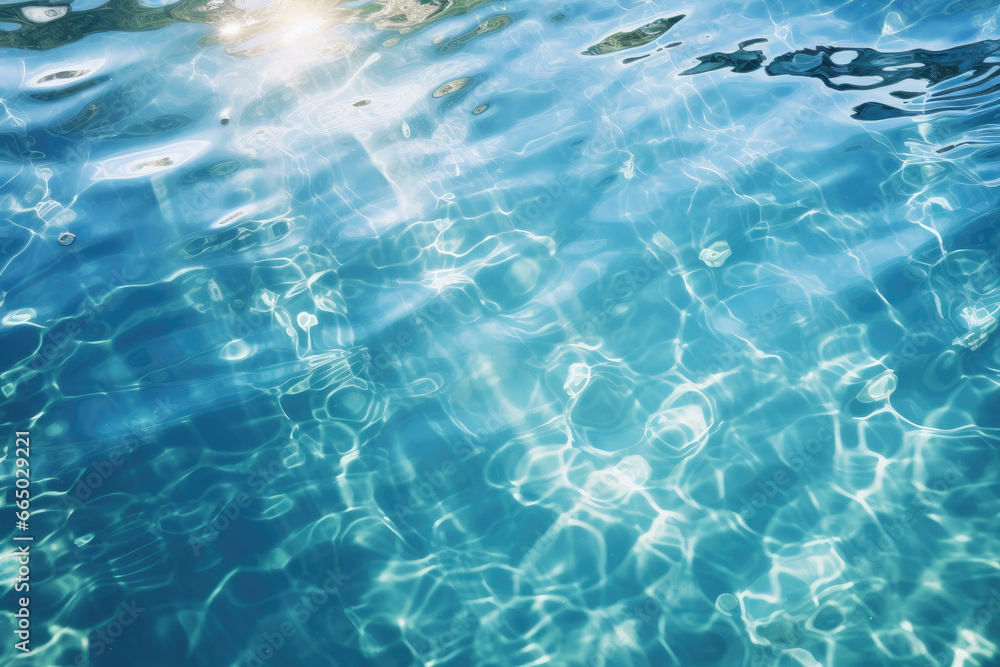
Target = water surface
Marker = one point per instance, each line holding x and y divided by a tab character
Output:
503	333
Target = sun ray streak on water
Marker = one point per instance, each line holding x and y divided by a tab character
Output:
495	333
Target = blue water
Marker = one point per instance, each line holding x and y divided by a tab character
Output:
447	334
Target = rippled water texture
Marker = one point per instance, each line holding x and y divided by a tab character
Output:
475	333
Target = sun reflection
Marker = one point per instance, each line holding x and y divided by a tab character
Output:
301	26
283	28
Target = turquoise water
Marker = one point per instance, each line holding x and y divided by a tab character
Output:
502	333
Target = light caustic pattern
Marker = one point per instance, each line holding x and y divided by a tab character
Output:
504	333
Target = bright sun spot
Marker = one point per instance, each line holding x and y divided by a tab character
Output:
300	27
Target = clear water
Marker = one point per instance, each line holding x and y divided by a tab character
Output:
503	333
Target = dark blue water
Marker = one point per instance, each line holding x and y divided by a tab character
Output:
447	334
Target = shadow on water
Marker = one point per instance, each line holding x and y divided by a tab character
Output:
840	68
47	26
870	69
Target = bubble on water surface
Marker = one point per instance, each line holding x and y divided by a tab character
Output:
268	298
161	162
44	14
682	425
142	163
879	389
629	168
236	350
981	323
84	539
618	481
306	321
451	87
716	254
63	75
229	218
726	603
20	316
577	379
214	291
